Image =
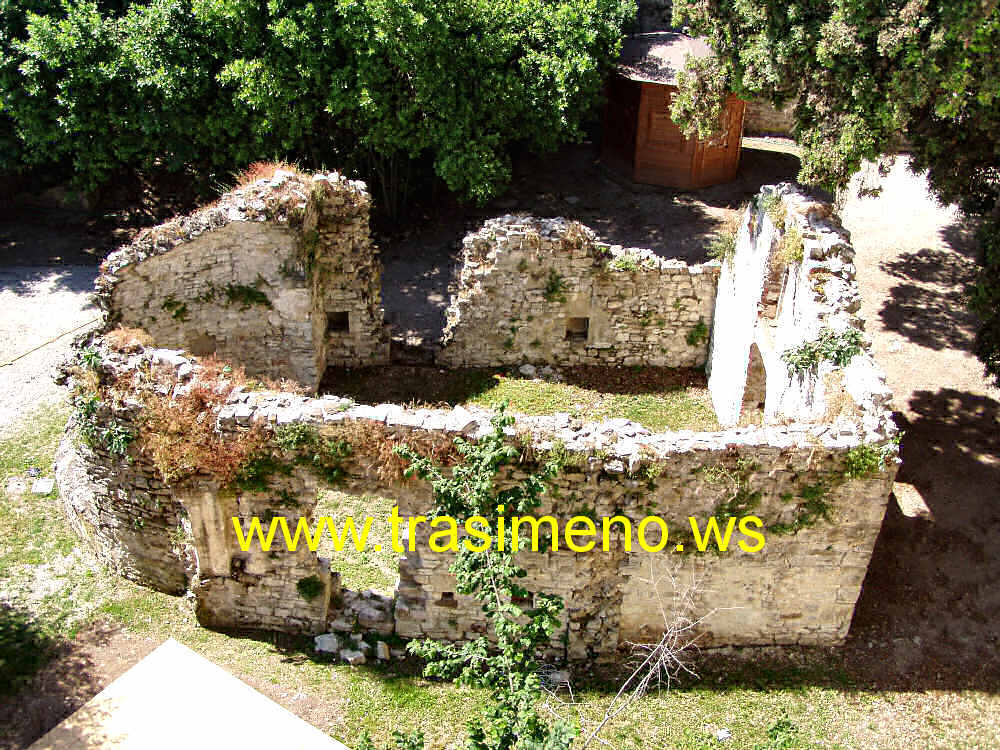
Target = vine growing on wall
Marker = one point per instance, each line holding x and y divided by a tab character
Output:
508	668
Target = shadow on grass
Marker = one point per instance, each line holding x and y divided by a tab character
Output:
43	677
25	647
431	386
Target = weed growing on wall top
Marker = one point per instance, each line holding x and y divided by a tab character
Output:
838	347
722	247
774	207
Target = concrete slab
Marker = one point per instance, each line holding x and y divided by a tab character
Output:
175	698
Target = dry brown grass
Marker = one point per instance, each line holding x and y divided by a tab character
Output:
260	170
128	340
179	434
377	444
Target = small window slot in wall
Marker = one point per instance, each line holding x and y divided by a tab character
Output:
338	322
577	329
528	600
447	599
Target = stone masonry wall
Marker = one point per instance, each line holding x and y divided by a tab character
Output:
800	589
279	275
820	523
813	292
545	291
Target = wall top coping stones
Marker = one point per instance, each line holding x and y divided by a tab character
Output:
513	232
622	443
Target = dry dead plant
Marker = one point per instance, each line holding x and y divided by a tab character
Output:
378	444
128	340
179	434
655	665
260	170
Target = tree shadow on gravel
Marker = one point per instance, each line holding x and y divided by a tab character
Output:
930	304
929	608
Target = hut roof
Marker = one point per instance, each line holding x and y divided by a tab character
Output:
657	56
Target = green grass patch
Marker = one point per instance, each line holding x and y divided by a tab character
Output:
370	568
673	409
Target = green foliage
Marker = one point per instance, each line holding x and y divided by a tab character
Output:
722	247
629	262
178	310
782	735
702	87
255	475
90	358
309	587
244	295
774	207
323	456
110	434
985	299
838	347
555	287
862	75
508	668
394	89
697	334
400	741
792	249
867	459
813	507
741	499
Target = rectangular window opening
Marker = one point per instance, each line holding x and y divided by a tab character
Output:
338	322
577	329
447	599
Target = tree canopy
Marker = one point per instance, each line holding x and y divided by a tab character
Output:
868	78
382	86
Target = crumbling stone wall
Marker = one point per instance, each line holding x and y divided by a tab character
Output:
126	514
800	589
545	291
279	275
771	300
820	521
763	118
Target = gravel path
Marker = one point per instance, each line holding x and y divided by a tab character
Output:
930	605
38	303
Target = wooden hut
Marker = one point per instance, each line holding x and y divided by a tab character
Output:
639	136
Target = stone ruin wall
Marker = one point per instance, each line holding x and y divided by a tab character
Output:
279	276
767	306
545	291
801	589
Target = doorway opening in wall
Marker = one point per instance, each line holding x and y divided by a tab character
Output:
577	329
338	322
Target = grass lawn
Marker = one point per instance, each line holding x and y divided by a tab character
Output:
50	589
658	398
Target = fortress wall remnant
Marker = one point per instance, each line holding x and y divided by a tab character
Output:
279	275
546	291
797	470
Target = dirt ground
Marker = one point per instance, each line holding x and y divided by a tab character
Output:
930	609
927	618
420	263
